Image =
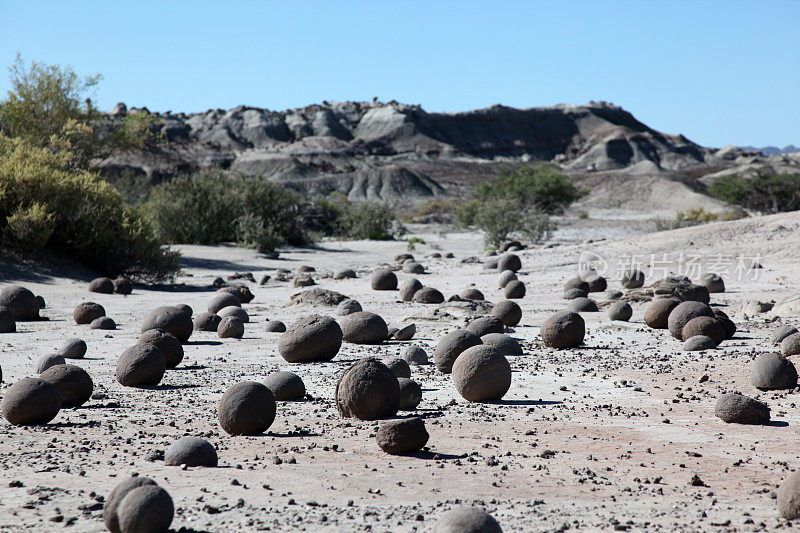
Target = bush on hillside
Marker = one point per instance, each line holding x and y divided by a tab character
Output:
765	192
346	219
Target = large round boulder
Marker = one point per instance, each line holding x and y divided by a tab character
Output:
86	312
123	286
7	322
168	343
409	288
102	285
620	311
713	282
471	293
582	305
509	261
313	338
21	302
633	279
402	436
772	371
464	519
383	280
450	347
414	355
777	335
704	325
563	330
368	390
274	326
514	290
49	360
683	313
141	365
481	374
657	315
597	283
115	497
410	394
428	295
510	313
191	451
791	345
207	321
503	343
485	325
788	496
230	327
73	348
30	401
740	409
364	327
698	343
247	408
347	307
576	283
285	386
104	322
505	277
73	383
147	508
222	300
236	311
171	319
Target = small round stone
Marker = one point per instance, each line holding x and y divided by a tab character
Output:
464	519
611	294
399	367
73	348
509	261
713	283
414	355
699	343
240	291
141	365
364	327
344	273
771	371
103	322
471	294
450	347
428	295
247	408
777	336
563	330
85	312
285	386
169	345
410	394
620	311
402	436
505	277
347	307
221	300
191	451
367	390
576	283
171	319
505	344
206	321
791	345
485	325
509	313
683	313
230	327
481	374
234	310
147	509
40	302
73	383
406	333
514	290
102	285
657	315
571	294
123	286
115	497
21	302
490	264
409	287
30	401
582	305
633	279
7	322
740	409
704	325
402	258
788	496
383	280
274	326
596	283
313	338
412	267
46	361
727	323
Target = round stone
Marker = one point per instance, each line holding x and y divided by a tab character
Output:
612	294
485	325
187	310
367	390
230	327
402	258
620	311
240	291
505	277
683	313
791	345
713	283
412	267
571	294
727	323
123	286
481	374
73	383
704	325
73	348
46	361
285	386
221	300
313	338
740	409
383	280
169	345
464	519
428	295
471	294
171	319
657	315
450	347
347	307
247	408
410	394
399	367
509	313
364	327
596	283
86	312
146	508
514	290
344	273
115	497
633	279
21	302
582	305
142	365
274	326
103	322
414	355
563	330
30	401
509	261
699	343
190	451
503	343
490	264
40	302
409	288
207	321
402	436
7	322
788	496
102	285
576	283
235	311
406	333
777	336
771	371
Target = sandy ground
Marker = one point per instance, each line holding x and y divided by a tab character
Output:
605	437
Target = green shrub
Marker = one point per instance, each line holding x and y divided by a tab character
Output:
432	211
345	219
500	219
540	186
413	242
46	204
765	192
692	217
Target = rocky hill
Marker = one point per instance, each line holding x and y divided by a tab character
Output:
394	151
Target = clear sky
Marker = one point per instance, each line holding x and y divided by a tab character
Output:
720	72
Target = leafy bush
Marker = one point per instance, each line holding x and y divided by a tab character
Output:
541	186
358	220
46	204
500	219
766	192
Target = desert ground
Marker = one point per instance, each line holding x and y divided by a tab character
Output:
608	436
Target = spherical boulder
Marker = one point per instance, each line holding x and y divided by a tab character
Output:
234	310
571	294
410	394
576	283
73	348
367	390
514	290
40	302
191	451
240	291
620	311
73	383
146	508
30	401
344	273
633	279
490	264
771	371
509	261
450	347
21	302
207	321
102	285
171	319
414	355
485	325
563	330
383	280
657	315
187	309
503	343
402	258
347	307
115	497
313	338
791	345
727	323
406	333
505	277
683	313
596	283
428	295
123	286
46	361
582	305
221	300
464	519
103	322
364	327
481	374
7	322
412	267
508	312
698	343
788	496
247	408
86	312
274	326
406	435
713	283
168	343
399	367
141	365
777	336
740	409
230	327
612	294
704	325
471	294
285	386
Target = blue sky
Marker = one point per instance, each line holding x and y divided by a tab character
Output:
724	72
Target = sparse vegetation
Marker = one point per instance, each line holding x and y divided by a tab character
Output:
765	192
433	211
692	217
413	242
359	220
